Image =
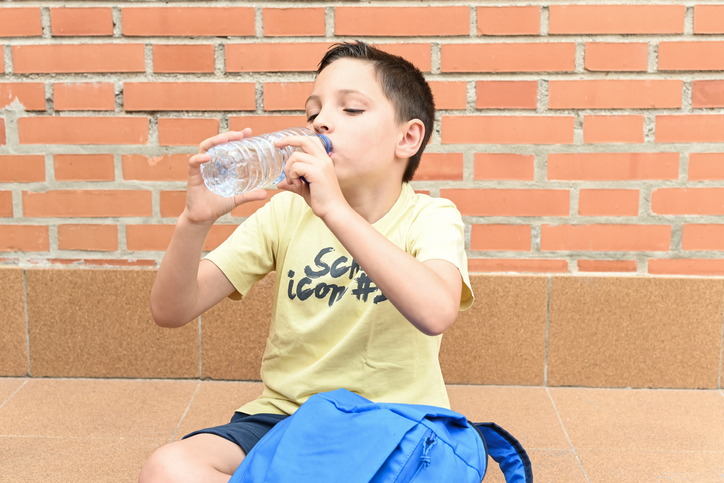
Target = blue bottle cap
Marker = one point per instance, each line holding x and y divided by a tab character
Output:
326	143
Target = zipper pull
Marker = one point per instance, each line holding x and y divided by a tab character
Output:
429	443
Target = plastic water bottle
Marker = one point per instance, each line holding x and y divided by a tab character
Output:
240	166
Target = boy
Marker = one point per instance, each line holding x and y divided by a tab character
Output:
369	274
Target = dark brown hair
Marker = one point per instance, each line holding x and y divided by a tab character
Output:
402	83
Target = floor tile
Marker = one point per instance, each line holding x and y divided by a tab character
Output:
215	403
638	466
549	466
8	386
96	408
642	420
73	460
525	412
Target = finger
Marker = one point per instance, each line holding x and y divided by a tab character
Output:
254	195
198	159
308	144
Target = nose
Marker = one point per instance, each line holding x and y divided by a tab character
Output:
322	124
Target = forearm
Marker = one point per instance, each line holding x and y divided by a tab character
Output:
427	300
175	292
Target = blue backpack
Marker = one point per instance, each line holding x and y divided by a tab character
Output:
339	436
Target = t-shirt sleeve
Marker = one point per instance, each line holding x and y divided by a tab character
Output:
249	254
438	233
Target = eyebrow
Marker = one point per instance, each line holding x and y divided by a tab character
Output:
342	92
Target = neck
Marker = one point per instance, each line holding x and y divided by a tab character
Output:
372	204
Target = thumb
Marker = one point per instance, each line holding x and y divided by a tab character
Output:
254	195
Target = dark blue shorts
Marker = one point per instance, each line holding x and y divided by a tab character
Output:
244	429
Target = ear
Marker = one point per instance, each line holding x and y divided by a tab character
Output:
409	144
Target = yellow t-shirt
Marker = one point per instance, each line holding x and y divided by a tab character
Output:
331	327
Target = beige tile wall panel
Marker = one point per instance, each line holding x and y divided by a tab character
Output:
635	332
234	334
97	323
501	338
13	332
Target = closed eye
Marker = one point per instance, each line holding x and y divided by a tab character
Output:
311	117
354	111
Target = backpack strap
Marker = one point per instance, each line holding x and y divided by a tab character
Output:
507	452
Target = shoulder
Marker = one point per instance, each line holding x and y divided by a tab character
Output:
422	206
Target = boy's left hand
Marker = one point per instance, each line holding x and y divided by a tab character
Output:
321	190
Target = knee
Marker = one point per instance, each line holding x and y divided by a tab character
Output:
165	465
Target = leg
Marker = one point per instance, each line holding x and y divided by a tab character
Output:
200	458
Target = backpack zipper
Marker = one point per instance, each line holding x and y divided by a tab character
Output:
425	461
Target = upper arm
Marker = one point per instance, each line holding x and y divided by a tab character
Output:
214	286
453	284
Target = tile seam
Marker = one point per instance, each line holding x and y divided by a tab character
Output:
14	393
575	453
721	350
548	324
188	406
27	318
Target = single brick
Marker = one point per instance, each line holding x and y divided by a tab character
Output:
616	19
615	94
687	201
93	96
607	265
517	265
690	128
148	237
185	131
509	202
449	95
22	168
516	238
24	238
289	22
402	21
275	57
506	94
509	57
613	129
86	203
647	238
509	20
189	96
2	131
504	166
440	166
265	124
6	204
86	21
507	129
705	267
183	58
168	167
707	93
608	202
188	21
708	237
709	19
691	55
103	238
612	166
31	95
172	203
286	96
706	166
617	56
83	167
80	58
83	130
20	22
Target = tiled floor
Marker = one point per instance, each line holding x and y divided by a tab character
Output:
83	430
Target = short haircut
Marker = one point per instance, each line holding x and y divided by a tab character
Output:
402	83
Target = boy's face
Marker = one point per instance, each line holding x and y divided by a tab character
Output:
347	104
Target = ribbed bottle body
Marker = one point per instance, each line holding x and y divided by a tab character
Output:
240	166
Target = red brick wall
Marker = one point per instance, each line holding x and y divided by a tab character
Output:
573	138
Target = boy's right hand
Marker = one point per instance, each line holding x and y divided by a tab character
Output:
203	206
